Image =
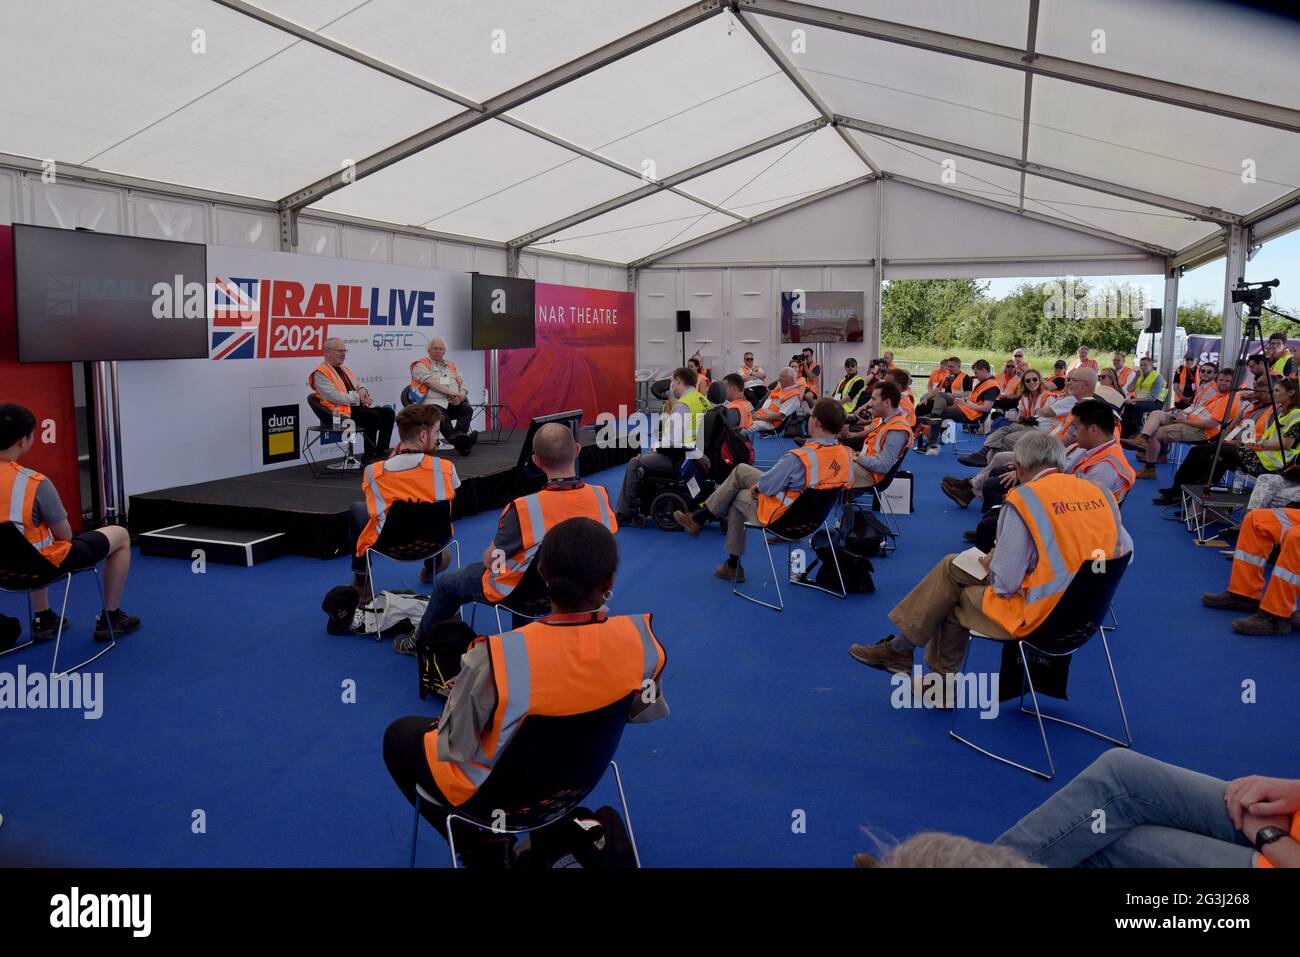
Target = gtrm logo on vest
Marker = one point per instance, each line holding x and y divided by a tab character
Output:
282	318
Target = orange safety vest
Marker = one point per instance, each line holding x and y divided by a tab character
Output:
804	385
429	481
871	445
984	391
419	388
336	380
776	397
1114	453
745	409
937	378
537	513
1030	405
1076	363
1071	521
1213	408
1060	423
907	405
551	669
18	488
825	466
1124	376
1008	383
1180	380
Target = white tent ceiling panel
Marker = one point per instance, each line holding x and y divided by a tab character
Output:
301	115
492	181
780	175
1113	214
470	47
922	224
632	231
1172	49
956	173
84	76
686	99
1181	153
997	21
838	228
930	93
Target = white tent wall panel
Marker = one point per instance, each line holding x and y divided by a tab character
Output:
455	257
702	294
657	298
9	200
69	205
370	245
245	227
410	251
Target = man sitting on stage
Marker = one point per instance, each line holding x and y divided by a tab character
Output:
339	392
435	380
34	507
750	495
410	474
521	528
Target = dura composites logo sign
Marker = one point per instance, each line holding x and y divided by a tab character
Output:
279	434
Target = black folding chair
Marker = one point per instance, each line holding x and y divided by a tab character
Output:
325	433
1069	626
528	601
800	521
853	499
546	771
413	532
24	569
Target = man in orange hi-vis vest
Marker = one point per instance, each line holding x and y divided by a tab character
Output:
750	495
341	393
1263	530
577	660
411	474
521	529
32	505
1051	524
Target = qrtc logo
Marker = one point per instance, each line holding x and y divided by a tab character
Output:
398	341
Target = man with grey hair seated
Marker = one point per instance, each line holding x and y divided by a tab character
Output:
1077	521
341	393
1055	418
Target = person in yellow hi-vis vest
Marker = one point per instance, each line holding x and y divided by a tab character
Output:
33	506
577	660
1049	526
679	441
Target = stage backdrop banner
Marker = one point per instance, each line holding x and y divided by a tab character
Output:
585	356
244	409
46	389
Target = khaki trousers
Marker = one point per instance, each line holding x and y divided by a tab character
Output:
940	613
734	501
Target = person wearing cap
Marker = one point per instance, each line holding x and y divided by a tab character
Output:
1060	375
1187	379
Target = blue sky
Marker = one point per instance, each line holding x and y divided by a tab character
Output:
1277	259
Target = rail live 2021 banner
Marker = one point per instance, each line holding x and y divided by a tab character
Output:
585	356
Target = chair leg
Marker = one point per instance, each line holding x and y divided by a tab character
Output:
627	817
370	580
1114	682
952	731
112	637
771	563
415	828
839	574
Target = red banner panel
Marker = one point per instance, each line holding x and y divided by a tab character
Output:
585	356
46	389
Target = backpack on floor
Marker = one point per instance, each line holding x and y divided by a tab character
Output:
855	569
438	655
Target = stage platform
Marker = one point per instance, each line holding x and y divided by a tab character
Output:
313	512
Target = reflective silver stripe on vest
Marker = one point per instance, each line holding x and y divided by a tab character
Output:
538	524
381	506
1061	578
16	496
439	478
602	505
811	465
648	644
519	691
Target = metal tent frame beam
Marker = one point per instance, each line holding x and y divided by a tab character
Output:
1057	68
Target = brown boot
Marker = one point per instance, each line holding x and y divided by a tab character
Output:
962	496
1147	472
883	656
688	524
727	573
1262	623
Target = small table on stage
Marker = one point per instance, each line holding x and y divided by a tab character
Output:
1202	508
495	410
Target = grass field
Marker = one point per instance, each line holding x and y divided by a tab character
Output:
930	355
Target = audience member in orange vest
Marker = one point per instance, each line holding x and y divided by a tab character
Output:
889	360
973	407
702	382
33	506
781	402
737	410
813	369
436	380
521	529
410	474
1008	386
1187	381
577	660
1070	516
885	441
1082	361
340	392
1161	815
750	495
1263	530
1125	375
1198	423
1060	376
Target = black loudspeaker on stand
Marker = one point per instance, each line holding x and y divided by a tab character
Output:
683	327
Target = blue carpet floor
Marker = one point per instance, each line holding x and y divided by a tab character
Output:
229	701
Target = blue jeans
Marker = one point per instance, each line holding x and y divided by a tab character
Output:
1156	815
451	590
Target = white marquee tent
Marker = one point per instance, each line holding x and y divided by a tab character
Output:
706	154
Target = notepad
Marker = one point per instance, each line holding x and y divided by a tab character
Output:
969	562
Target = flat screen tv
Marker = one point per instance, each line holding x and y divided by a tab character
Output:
502	313
86	296
572	420
808	316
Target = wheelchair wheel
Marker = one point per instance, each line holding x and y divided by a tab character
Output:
662	508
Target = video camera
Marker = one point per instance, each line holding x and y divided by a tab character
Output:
1254	294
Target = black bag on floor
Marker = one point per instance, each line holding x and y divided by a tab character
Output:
438	655
856	569
860	533
1050	674
596	841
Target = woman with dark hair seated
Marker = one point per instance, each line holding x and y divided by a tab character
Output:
576	660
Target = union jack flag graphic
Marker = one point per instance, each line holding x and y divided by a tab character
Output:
236	318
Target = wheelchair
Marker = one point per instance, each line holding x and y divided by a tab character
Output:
666	490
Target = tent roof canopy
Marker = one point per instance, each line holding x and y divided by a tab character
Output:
619	131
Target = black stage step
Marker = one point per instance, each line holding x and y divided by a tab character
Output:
226	546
